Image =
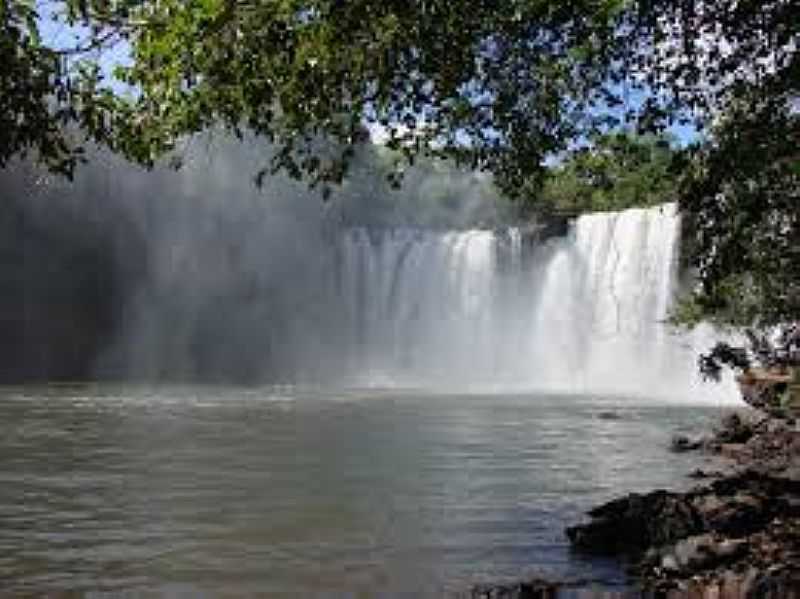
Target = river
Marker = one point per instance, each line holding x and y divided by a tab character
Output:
287	491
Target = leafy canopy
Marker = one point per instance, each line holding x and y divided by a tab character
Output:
741	196
498	85
614	172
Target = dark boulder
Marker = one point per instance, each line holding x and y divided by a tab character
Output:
681	443
734	428
737	515
631	524
533	589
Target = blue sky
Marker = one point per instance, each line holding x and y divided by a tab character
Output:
59	35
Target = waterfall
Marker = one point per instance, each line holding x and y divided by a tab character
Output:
256	292
583	313
197	276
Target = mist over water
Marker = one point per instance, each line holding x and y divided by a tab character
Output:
215	280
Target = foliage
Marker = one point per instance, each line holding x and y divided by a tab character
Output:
742	197
741	193
30	76
616	172
492	85
497	85
51	97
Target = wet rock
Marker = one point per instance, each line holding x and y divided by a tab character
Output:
737	515
697	553
670	563
681	443
534	589
790	477
735	537
789	505
729	549
694	552
733	451
707	504
735	428
777	426
775	582
609	416
631	524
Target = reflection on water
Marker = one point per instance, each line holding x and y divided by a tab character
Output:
297	491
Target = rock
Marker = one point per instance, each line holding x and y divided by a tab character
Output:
534	589
730	549
790	477
733	451
681	443
789	505
707	504
701	474
777	426
541	588
737	516
609	416
631	524
737	428
700	552
693	553
670	563
774	582
736	536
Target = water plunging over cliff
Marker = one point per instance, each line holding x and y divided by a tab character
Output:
581	313
306	302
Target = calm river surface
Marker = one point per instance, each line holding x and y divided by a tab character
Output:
201	491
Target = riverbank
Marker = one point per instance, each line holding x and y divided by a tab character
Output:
734	535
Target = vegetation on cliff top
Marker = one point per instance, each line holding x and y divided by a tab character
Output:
615	172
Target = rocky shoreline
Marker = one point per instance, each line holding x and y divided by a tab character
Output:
735	535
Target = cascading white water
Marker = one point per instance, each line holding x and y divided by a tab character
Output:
237	294
580	313
420	303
